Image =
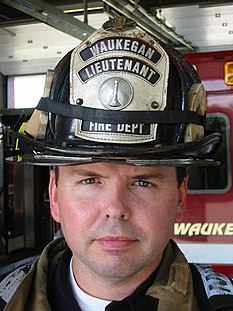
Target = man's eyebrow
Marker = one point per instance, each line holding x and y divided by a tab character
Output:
85	172
150	176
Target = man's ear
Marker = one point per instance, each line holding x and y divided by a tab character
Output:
182	198
53	197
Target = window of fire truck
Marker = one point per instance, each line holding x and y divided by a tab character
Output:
214	179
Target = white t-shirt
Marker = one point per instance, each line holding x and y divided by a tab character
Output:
85	301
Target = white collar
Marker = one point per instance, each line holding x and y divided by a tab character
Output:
85	301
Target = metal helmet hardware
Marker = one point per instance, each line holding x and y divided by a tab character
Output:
124	96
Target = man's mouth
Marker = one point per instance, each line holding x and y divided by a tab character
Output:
116	242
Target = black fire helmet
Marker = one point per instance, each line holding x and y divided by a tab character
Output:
123	96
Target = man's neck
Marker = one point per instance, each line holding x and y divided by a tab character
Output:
108	288
85	301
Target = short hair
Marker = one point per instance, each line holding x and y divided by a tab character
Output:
181	173
56	172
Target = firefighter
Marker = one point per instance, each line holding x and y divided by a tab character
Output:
121	119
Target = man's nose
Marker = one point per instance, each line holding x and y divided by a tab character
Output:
116	203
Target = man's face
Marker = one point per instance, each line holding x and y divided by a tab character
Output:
116	219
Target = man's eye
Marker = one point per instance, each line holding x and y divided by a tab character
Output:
143	183
89	181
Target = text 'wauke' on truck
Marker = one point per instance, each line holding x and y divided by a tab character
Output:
205	233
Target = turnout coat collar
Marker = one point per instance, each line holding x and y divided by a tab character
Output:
172	287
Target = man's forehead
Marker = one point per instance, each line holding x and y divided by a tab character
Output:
111	167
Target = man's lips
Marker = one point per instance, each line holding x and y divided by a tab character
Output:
116	242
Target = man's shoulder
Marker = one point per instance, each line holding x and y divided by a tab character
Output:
214	290
20	279
11	282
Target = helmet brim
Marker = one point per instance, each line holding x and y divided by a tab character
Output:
193	153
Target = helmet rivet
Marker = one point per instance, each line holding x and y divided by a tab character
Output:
79	101
88	43
154	105
63	144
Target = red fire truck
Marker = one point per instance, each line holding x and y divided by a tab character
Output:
206	231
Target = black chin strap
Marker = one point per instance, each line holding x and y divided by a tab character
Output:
115	117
